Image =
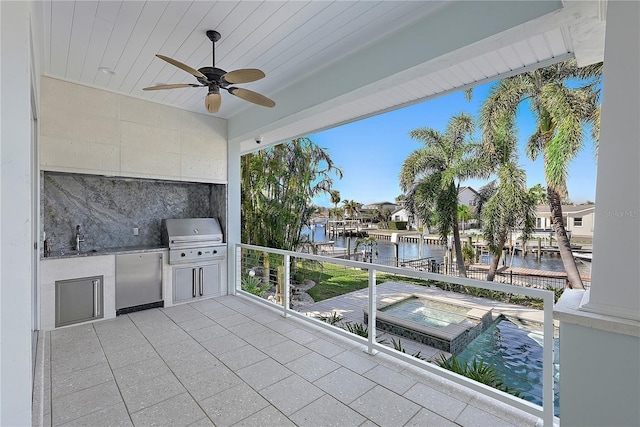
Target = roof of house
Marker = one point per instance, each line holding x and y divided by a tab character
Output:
572	209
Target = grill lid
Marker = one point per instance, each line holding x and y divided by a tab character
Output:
192	232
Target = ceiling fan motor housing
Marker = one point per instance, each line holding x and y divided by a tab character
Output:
213	75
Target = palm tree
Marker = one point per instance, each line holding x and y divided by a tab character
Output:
539	194
351	207
506	204
431	175
561	112
335	199
464	214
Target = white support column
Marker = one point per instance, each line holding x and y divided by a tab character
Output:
600	329
615	288
233	214
15	215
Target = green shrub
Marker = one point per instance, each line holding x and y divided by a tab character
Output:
254	285
357	329
333	319
397	345
397	225
477	371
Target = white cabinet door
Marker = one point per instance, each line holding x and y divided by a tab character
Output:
196	281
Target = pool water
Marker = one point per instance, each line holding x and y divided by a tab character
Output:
427	312
516	354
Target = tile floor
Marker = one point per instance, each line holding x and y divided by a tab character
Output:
229	361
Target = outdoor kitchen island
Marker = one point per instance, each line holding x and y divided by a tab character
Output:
100	266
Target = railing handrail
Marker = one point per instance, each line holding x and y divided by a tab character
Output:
546	412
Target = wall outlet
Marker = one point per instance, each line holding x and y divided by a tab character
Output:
136	231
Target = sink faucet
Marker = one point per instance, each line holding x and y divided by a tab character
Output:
79	238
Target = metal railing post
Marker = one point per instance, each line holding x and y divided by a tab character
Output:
547	362
372	312
237	283
287	285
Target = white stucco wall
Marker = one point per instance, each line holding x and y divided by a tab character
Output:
15	215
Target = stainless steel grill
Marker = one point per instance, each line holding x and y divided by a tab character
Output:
194	240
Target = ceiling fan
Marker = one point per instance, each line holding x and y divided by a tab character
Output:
216	79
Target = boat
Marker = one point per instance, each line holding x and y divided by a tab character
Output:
582	256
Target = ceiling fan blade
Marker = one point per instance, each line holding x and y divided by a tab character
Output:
212	102
170	86
244	75
182	66
251	96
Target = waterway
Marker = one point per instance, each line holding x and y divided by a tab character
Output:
409	251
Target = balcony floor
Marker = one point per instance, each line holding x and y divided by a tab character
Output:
230	361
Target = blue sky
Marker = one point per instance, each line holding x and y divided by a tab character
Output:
371	152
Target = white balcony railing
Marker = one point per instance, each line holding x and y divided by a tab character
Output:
545	412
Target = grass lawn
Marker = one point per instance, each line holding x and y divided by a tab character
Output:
333	280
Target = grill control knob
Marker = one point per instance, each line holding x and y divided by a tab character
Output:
215	251
183	254
199	252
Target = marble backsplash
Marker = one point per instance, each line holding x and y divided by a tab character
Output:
108	209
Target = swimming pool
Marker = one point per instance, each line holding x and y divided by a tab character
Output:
515	351
427	312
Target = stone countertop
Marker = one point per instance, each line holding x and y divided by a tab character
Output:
106	251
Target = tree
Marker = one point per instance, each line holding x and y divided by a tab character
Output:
431	175
507	205
539	194
561	111
351	207
464	214
335	199
278	185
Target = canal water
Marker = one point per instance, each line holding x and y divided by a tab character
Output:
409	251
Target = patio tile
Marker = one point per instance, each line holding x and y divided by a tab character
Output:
268	416
264	339
195	363
472	416
76	348
427	418
167	337
385	407
206	305
84	402
130	340
327	412
291	394
356	360
283	326
204	422
60	337
435	401
178	351
181	313
177	411
312	366
325	348
210	382
344	385
233	405
246	329
199	323
286	351
233	320
390	379
76	362
502	410
219	313
223	344
208	333
263	373
149	391
242	357
301	336
129	356
149	368
116	416
69	382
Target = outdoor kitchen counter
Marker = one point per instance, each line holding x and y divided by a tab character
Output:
106	251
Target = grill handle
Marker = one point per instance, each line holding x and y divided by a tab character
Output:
201	280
